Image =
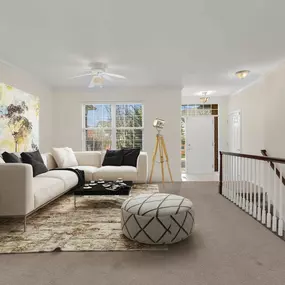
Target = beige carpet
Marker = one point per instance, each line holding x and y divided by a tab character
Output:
95	225
227	247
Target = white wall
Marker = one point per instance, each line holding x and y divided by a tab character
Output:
263	114
251	104
222	101
25	82
164	103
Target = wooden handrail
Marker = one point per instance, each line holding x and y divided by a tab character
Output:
264	153
257	157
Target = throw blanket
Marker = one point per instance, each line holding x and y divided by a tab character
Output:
80	174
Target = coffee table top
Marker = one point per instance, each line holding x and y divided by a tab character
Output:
99	189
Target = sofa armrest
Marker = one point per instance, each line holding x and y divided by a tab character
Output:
16	189
142	168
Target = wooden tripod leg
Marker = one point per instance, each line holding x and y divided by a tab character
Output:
153	159
166	158
160	139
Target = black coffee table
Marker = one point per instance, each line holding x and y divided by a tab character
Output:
100	190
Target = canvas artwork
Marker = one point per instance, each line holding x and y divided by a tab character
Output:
19	120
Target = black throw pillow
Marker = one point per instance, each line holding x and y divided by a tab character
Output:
131	156
35	159
113	157
10	157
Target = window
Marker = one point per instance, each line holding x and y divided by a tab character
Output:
199	110
113	126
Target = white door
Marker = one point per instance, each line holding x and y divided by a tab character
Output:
200	144
234	140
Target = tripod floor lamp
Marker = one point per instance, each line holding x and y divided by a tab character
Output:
161	148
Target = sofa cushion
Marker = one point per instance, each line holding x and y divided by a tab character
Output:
49	160
69	178
92	158
35	159
64	157
89	171
46	188
113	157
10	157
111	173
131	156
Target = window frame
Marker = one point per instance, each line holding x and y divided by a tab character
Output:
113	128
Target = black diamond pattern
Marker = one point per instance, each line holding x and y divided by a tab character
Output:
158	229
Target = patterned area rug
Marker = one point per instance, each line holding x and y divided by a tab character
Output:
93	226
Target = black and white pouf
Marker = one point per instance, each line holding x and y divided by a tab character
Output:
157	218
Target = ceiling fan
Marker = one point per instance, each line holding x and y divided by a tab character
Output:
99	74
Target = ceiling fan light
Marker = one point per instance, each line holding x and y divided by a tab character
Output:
241	74
98	80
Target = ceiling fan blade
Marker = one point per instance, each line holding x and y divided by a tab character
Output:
115	75
91	84
82	75
107	77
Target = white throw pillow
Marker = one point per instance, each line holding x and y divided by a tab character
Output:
64	157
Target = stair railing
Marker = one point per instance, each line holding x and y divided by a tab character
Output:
264	153
250	182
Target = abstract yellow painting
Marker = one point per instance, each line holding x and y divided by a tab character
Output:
19	120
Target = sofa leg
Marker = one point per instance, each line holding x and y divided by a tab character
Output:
25	223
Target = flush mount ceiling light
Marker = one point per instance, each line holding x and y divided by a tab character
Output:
241	74
204	99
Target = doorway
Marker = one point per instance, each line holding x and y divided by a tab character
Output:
234	125
199	144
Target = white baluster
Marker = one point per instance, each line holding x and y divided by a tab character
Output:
254	212
281	204
228	177
225	175
250	186
269	216
233	188
247	185
244	182
234	180
263	219
231	178
274	218
237	182
259	164
238	188
240	182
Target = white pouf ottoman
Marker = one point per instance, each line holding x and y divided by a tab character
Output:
157	218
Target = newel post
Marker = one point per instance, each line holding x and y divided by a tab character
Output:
221	173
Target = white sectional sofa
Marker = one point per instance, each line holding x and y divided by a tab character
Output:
21	193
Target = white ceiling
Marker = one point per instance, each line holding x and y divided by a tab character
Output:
197	44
